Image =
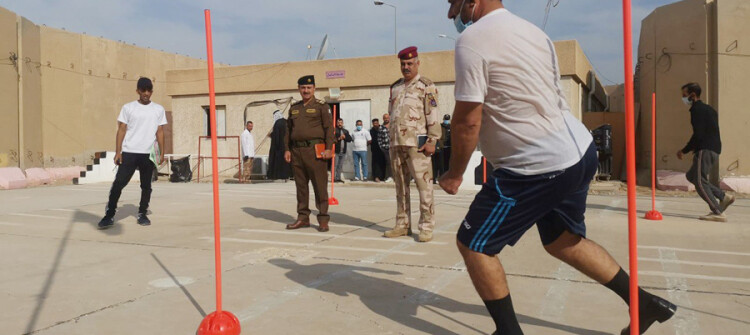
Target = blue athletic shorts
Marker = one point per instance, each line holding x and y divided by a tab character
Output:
509	204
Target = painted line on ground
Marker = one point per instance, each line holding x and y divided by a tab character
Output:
320	235
692	276
705	251
64	210
10	224
39	216
437	285
685	320
315	246
265	196
677	261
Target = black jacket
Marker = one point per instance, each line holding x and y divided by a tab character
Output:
341	144
705	121
374	146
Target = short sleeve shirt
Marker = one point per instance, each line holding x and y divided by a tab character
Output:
510	66
361	137
143	121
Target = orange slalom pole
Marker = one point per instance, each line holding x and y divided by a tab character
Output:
332	200
630	163
214	160
219	322
653	214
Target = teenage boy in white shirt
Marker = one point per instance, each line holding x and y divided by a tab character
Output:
509	98
248	151
140	124
361	139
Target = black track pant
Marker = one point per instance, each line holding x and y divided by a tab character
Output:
131	162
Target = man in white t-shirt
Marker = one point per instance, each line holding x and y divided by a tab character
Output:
248	151
509	99
140	124
361	140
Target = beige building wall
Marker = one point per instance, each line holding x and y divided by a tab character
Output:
694	41
87	79
366	79
733	65
63	91
30	112
9	151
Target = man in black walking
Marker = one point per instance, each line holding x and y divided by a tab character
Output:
706	147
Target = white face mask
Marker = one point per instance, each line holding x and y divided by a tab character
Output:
686	100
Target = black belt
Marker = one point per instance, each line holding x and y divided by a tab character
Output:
305	144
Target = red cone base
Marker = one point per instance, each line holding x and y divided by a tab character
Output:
333	201
653	215
220	323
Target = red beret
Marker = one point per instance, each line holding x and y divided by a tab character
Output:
408	53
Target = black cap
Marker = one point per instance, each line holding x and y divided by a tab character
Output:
306	80
446	117
145	84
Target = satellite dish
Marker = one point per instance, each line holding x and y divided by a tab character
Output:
323	48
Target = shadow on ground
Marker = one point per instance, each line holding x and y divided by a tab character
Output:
336	218
640	212
396	300
126	214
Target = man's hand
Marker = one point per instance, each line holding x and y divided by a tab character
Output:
326	154
161	158
288	156
428	149
679	154
118	158
450	182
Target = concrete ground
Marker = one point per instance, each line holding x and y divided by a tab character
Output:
63	276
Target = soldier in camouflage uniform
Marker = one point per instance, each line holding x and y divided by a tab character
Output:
414	115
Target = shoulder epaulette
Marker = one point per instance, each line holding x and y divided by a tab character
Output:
297	103
426	81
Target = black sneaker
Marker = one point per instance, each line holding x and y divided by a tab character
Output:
143	219
107	222
656	309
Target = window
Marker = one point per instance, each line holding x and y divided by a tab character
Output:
221	116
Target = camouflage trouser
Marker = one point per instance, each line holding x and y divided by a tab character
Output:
405	163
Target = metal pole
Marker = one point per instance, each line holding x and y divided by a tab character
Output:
395	29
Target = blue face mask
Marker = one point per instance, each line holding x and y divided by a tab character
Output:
460	25
359	128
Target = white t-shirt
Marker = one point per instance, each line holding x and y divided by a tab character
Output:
360	138
142	121
510	65
248	144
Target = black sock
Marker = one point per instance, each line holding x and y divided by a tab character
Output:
620	284
504	316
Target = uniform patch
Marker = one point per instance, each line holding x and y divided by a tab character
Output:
312	111
433	101
295	112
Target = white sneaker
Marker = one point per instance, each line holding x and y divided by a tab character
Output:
728	200
389	180
356	179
